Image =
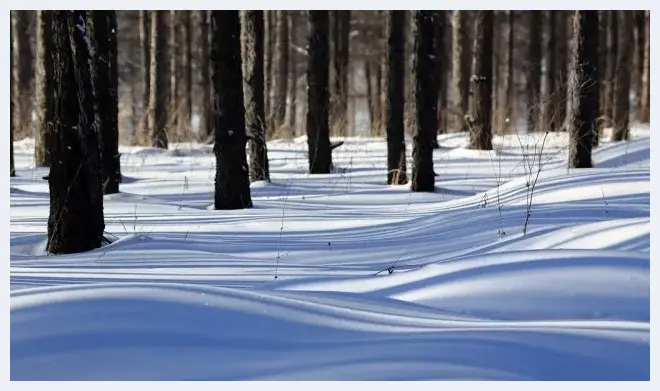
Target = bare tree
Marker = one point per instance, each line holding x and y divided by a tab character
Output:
145	46
186	69
394	105
281	74
22	73
481	133
534	71
44	88
159	97
623	75
75	223
341	21
12	170
425	100
206	117
462	56
440	70
253	82
232	182
645	94
584	91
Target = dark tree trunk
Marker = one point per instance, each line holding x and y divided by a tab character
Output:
105	78
560	67
625	35
534	72
318	131
281	74
481	134
253	81
425	100
186	69
339	91
145	44
394	105
440	70
44	88
645	98
612	55
376	76
550	102
461	57
206	117
639	59
12	170
175	77
370	94
508	83
293	73
22	73
232	182
159	98
269	37
584	91
75	223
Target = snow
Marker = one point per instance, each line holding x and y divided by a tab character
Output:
299	287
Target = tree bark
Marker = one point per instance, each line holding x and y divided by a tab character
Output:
232	182
253	81
481	134
75	222
103	30
612	55
175	122
281	74
638	62
339	91
12	170
318	131
425	100
549	107
206	117
394	105
584	91
461	57
625	34
22	73
145	45
44	88
534	98
440	71
159	94
293	74
269	36
186	69
560	68
508	82
645	98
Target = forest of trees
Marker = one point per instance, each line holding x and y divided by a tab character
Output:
239	78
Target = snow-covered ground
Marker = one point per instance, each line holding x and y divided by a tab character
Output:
342	277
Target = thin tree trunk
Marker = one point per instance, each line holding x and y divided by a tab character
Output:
645	98
370	95
534	98
269	33
439	70
75	222
186	69
175	123
481	134
425	100
22	73
461	57
639	59
550	101
159	96
339	92
253	81
508	82
12	170
293	74
105	78
206	117
560	67
145	45
232	182
394	105
612	51
281	74
318	131
625	34
584	91
44	88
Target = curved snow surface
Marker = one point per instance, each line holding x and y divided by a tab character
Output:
188	293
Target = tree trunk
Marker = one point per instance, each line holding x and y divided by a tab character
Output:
22	73
75	222
293	73
625	34
159	98
12	170
206	117
145	45
550	102
339	92
44	88
612	54
269	36
645	98
639	59
461	57
481	134
105	78
253	81
394	105
370	95
281	74
560	68
508	116
186	80
318	131
534	72
175	123
439	71
425	100
232	182
584	90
